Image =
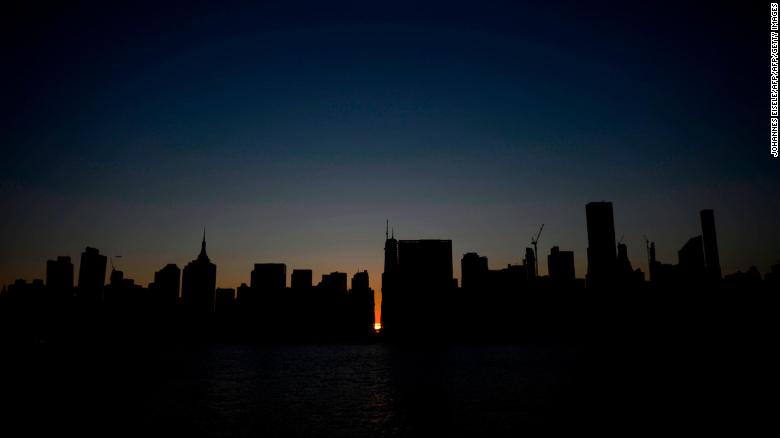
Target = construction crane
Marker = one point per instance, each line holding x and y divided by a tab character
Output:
534	241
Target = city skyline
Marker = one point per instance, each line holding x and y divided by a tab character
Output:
388	218
292	136
601	236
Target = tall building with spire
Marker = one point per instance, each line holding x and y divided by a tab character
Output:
199	282
390	274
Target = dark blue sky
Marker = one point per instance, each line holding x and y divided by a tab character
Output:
292	130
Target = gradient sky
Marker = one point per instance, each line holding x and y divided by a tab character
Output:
291	131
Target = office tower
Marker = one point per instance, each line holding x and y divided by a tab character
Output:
711	258
360	281
301	279
691	260
199	281
269	276
391	252
429	261
92	275
601	244
59	274
413	302
116	277
361	305
390	274
166	284
623	264
334	282
560	265
473	271
225	299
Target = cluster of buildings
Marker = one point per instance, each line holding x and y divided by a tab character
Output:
419	291
420	295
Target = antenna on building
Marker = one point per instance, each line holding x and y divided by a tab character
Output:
387	228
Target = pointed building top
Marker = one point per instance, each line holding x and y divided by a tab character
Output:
203	254
387	226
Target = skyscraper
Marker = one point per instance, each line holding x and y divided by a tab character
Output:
711	258
360	281
301	279
390	274
691	260
560	265
166	284
269	276
199	282
601	244
361	305
334	282
92	274
473	271
418	288
59	274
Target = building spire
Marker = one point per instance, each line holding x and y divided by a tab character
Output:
203	246
387	227
392	233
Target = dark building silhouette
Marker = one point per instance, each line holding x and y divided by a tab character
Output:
269	276
691	265
59	274
473	270
710	241
199	282
360	281
429	260
267	307
625	275
335	282
301	279
773	276
361	305
389	275
92	275
391	252
530	263
560	265
242	292
743	281
122	295
601	244
225	300
165	288
415	293
116	277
